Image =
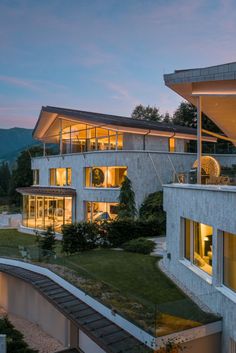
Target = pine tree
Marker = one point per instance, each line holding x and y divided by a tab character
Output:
126	208
146	113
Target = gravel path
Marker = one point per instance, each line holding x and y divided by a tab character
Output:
34	335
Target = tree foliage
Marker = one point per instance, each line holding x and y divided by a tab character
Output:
146	113
126	209
152	209
47	241
186	115
22	175
5	176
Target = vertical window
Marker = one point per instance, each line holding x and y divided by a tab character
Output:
229	260
187	245
171	144
60	176
200	235
35	176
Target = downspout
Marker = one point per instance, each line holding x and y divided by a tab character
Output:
144	139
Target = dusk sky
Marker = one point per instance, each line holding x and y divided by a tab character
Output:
105	55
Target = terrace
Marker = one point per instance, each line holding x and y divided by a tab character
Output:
131	285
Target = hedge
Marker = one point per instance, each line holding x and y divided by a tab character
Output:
86	235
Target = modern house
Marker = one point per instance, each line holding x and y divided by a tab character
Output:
201	223
80	175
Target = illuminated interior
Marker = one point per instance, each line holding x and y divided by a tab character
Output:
200	236
171	144
35	176
60	176
229	260
40	212
104	177
83	137
100	211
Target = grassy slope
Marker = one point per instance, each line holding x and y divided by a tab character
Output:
132	278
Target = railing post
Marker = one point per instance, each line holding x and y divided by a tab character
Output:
199	140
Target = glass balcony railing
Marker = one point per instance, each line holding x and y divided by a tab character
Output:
191	178
158	318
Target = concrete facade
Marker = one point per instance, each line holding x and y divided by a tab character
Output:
211	205
148	171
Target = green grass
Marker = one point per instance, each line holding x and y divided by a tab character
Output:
130	283
12	238
133	274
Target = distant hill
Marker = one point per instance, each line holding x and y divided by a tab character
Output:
13	141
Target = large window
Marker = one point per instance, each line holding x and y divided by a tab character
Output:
104	177
60	176
229	270
35	176
84	137
99	211
198	244
41	212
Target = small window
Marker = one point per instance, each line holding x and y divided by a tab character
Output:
171	144
35	176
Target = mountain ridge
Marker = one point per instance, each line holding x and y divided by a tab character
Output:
13	141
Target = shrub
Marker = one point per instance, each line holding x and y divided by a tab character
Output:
139	245
47	241
15	342
119	232
79	237
152	209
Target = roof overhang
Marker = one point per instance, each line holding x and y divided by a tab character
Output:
48	125
216	86
47	191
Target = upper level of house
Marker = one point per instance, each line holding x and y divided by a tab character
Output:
75	131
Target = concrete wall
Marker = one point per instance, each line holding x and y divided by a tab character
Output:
214	206
208	344
151	143
32	306
147	171
20	298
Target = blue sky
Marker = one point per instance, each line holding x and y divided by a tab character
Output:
105	55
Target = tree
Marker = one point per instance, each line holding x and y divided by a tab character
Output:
167	118
5	176
126	209
22	175
146	113
186	115
152	209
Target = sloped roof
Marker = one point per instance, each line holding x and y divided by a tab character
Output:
48	115
217	87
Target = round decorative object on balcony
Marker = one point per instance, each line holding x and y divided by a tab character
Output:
209	165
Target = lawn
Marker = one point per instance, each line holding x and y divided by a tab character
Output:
132	284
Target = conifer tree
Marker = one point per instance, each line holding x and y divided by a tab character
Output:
126	209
